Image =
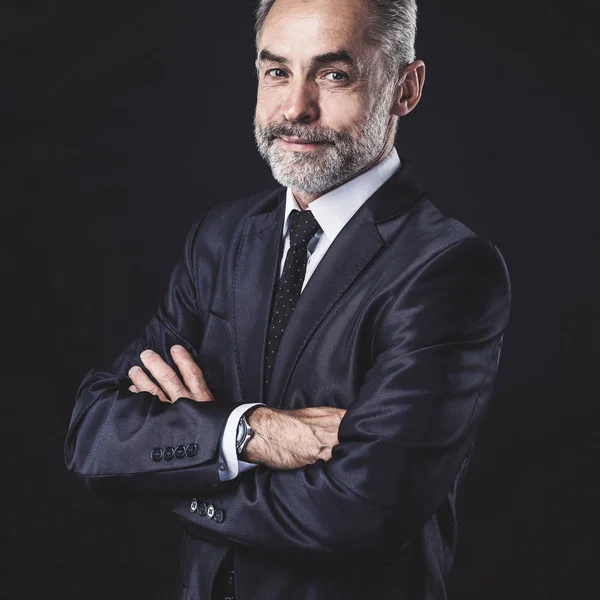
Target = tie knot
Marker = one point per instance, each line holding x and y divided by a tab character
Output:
303	226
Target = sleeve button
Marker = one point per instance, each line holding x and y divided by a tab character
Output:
193	505
210	511
169	453
219	515
180	452
191	450
201	510
157	454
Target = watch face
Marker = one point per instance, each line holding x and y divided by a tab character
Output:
241	432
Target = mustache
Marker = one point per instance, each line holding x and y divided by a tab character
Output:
312	134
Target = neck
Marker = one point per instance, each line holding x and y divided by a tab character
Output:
305	198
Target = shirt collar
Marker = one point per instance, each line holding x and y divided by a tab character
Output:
335	208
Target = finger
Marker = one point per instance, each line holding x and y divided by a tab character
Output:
166	378
143	383
326	454
192	374
133	389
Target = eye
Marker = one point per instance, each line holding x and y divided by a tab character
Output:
336	76
276	73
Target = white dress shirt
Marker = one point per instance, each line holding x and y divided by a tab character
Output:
332	211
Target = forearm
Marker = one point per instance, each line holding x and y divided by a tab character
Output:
122	440
303	513
406	433
376	492
289	439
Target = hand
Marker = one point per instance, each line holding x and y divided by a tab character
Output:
290	439
170	387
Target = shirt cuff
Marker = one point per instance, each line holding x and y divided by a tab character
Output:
229	464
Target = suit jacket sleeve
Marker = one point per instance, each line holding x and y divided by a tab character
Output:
113	432
402	441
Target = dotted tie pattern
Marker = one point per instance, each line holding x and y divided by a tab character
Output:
303	227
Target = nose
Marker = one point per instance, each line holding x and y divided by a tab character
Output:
301	104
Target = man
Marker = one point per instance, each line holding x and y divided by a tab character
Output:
307	394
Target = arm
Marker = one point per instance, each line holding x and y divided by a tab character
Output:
402	441
126	426
285	439
114	431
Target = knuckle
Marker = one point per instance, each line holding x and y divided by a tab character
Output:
194	371
170	377
325	454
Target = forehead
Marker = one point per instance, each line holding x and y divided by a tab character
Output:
301	29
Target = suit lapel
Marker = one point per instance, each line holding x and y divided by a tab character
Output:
257	270
347	257
342	263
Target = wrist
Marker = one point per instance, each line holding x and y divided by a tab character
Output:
254	451
244	431
280	440
257	416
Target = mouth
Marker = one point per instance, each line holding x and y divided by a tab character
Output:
297	144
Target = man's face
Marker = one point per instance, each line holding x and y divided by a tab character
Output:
323	111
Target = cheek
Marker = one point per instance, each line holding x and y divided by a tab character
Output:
343	111
267	104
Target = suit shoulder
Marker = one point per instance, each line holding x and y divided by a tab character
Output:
473	252
223	223
448	225
236	209
444	230
428	238
450	253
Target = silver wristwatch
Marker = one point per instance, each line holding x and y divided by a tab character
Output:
244	432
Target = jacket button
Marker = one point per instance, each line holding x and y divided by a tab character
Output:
219	515
193	505
210	511
201	510
157	454
191	450
180	451
169	453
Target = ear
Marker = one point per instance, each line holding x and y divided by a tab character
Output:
409	88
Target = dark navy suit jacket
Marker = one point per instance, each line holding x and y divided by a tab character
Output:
401	324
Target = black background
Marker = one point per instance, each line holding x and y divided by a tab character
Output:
124	122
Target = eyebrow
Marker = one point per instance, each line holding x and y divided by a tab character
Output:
342	56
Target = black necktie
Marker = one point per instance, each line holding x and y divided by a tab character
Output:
303	227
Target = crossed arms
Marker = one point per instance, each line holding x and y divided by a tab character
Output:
284	439
401	441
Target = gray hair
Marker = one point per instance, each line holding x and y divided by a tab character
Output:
392	27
